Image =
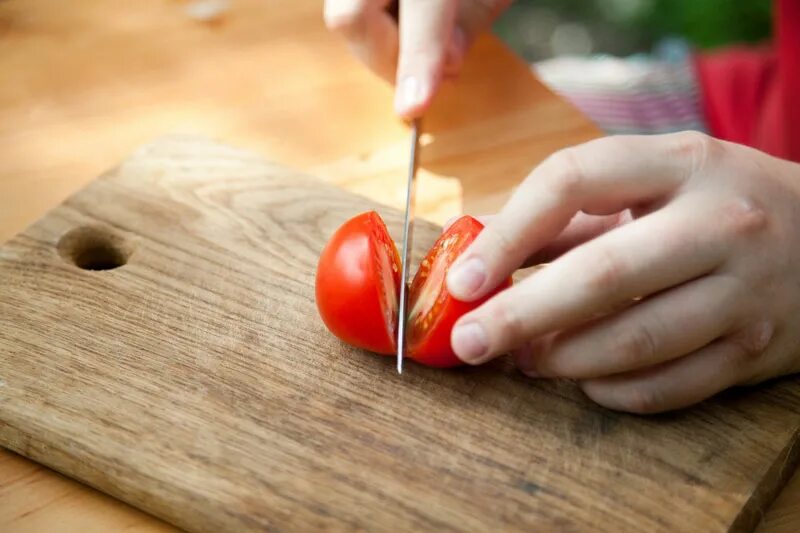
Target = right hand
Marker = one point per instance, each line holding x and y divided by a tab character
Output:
692	289
429	45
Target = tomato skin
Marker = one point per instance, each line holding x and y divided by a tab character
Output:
429	340
358	286
352	284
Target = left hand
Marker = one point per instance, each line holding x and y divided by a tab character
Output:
712	250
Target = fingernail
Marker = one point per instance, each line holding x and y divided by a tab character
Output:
469	342
411	93
466	278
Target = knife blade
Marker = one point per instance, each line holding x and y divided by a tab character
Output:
408	238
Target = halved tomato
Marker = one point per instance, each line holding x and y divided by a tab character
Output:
358	288
358	284
433	311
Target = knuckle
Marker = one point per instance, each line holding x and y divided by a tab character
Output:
568	178
499	242
605	275
751	342
508	325
744	217
696	147
637	344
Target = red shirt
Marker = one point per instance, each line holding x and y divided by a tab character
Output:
752	96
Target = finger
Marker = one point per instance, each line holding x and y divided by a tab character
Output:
426	30
473	18
668	326
370	31
456	52
600	177
582	228
654	253
685	381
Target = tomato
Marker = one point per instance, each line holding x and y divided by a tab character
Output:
433	312
358	288
358	284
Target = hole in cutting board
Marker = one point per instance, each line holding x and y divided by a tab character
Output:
94	248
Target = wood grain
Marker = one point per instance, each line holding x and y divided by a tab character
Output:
196	382
783	515
35	499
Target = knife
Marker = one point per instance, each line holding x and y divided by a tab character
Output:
408	235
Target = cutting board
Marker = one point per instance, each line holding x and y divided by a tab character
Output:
159	341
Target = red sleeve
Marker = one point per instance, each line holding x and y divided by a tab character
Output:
750	96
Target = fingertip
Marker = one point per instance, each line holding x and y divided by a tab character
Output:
466	278
412	96
469	342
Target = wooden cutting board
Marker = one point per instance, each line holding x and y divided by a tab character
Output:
195	381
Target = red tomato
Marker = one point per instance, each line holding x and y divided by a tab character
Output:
358	288
358	284
433	311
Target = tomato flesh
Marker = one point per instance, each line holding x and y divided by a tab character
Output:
358	288
358	284
433	311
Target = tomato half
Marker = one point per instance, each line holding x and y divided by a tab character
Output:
358	288
358	284
433	311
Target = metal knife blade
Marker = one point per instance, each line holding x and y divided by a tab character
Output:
408	234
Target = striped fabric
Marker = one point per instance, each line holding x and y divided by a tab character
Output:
636	95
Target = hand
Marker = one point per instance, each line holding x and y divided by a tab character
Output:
431	41
710	251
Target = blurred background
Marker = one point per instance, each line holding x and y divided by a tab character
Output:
542	29
86	82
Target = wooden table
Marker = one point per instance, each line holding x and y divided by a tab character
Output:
84	87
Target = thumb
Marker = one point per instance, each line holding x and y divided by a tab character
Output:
427	29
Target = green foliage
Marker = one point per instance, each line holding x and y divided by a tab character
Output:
623	27
710	23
